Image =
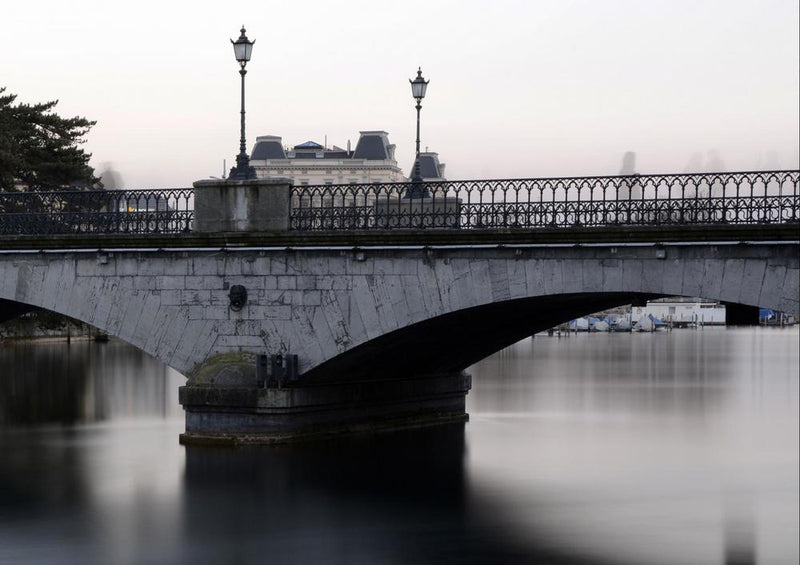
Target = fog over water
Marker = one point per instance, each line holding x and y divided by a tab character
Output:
674	447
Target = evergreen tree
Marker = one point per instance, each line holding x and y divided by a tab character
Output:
39	150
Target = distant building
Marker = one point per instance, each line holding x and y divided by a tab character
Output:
630	188
682	311
430	169
310	163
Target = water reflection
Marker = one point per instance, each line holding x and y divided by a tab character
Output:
670	448
56	383
392	498
631	447
683	373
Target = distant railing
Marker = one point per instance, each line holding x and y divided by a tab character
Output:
769	197
163	211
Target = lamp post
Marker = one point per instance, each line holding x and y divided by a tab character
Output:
242	48
418	88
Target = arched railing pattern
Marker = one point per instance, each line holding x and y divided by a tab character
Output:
162	211
761	197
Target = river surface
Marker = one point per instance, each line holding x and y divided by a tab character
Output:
669	448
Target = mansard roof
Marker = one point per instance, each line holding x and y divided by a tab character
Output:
372	145
429	166
268	147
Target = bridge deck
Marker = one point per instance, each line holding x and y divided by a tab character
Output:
431	237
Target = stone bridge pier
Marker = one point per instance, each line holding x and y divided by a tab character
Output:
297	338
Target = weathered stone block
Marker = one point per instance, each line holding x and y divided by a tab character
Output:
287	282
711	286
196	296
171	298
205	282
612	275
306	282
752	280
151	265
772	288
206	265
673	276
498	277
243	205
732	279
791	289
144	283
592	274
481	281
171	282
127	266
692	277
216	312
653	276
572	270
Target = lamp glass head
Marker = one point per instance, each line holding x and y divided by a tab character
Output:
242	48
419	86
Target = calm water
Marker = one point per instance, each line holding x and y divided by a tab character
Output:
670	448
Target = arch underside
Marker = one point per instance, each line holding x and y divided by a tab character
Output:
454	341
10	309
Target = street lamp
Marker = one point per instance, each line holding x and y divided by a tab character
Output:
242	48
418	88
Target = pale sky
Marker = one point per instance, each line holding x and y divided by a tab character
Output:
519	88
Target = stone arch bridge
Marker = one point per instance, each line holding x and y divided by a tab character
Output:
411	318
284	332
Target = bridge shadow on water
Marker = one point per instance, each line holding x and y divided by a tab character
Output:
401	497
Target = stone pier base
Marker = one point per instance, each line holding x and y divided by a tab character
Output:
233	415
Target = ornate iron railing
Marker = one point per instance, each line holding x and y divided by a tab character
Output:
162	211
768	197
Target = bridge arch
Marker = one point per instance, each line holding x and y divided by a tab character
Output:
342	310
453	341
63	283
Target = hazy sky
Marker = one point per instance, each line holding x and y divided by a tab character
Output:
518	87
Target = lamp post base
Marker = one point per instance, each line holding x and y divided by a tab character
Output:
242	170
246	173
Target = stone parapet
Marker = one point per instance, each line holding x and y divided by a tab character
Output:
258	205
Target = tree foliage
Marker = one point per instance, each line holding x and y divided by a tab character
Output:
39	150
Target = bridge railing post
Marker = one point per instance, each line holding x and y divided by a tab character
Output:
242	205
